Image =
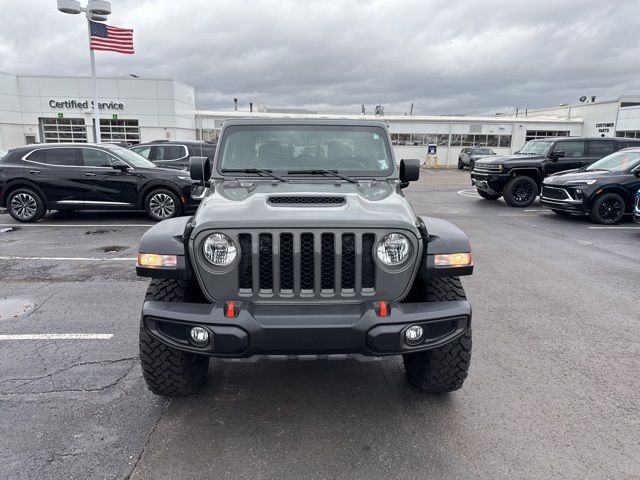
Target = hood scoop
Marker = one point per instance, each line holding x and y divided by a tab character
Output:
306	200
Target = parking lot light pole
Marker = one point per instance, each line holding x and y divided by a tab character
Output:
96	10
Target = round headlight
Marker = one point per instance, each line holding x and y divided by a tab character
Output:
219	250
393	249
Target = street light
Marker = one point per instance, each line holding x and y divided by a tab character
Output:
96	10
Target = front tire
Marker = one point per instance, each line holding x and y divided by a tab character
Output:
607	209
162	204
460	165
487	195
25	205
168	372
443	369
520	191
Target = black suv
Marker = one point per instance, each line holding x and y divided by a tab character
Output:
174	153
519	177
605	189
37	178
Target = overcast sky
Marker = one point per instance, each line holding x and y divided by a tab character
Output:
471	57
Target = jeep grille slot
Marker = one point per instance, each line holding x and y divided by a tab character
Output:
328	259
348	261
286	262
306	261
245	272
265	251
368	264
306	264
306	200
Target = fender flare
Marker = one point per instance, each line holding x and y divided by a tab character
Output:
442	237
167	238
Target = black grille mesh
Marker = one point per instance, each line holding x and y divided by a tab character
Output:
328	262
348	261
291	200
368	266
298	272
556	193
286	261
265	251
306	261
245	270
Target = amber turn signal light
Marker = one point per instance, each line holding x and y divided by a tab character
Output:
453	260
153	260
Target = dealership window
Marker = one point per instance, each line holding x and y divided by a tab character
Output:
628	133
119	130
481	140
56	130
533	134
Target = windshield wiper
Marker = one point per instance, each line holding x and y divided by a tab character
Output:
258	171
322	172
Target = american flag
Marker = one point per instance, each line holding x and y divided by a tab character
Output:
113	39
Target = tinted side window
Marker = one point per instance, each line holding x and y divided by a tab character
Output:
95	158
37	156
168	152
65	157
572	148
601	148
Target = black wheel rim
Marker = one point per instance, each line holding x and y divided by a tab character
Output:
522	192
611	209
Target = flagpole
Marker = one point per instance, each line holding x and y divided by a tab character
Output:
96	112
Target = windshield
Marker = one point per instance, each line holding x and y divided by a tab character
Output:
284	149
482	151
537	147
617	162
132	158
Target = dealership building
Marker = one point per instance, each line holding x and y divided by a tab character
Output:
44	108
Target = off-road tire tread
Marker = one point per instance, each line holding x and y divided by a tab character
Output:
168	372
443	369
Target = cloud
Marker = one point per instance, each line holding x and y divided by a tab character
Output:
446	57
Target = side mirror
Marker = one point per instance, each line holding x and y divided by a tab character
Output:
200	170
556	155
404	184
409	171
123	167
637	173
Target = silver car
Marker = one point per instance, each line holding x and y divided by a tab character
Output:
469	155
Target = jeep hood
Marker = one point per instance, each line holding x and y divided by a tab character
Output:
249	204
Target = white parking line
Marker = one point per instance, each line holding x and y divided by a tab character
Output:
55	225
614	228
58	336
81	259
471	193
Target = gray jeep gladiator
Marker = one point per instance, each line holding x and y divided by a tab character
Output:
304	247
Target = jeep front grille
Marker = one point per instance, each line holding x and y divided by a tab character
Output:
306	263
301	200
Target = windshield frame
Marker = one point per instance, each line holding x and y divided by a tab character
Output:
615	155
545	153
390	172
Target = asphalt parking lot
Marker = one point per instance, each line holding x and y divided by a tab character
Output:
552	393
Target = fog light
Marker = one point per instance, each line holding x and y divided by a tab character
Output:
199	336
414	334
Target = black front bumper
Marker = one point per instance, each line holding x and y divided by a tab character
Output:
304	329
492	183
563	205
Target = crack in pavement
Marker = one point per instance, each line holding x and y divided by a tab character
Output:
31	380
165	407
